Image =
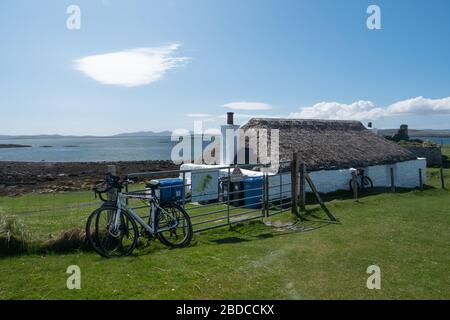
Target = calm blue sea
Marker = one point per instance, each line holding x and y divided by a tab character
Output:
89	149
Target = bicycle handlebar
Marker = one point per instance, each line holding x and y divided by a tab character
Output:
104	186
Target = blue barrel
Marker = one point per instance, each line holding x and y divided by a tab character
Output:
253	192
170	189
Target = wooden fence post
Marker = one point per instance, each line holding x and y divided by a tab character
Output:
392	180
420	179
442	170
302	187
266	194
294	167
112	194
355	185
319	199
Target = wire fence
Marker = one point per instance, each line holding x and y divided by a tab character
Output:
233	198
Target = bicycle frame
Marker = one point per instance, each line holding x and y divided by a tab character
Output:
361	175
122	205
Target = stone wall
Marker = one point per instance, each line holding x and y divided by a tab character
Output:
432	154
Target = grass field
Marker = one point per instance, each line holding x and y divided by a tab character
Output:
406	234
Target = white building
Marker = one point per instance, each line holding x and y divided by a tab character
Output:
331	151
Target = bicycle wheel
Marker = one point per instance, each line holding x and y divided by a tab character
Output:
174	226
368	183
113	243
90	232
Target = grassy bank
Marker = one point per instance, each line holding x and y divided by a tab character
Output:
406	234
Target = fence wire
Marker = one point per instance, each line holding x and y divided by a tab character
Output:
54	212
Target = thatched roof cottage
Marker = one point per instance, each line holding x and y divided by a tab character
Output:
331	144
330	149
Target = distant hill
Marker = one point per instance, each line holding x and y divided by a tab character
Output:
57	136
418	132
386	132
38	136
144	134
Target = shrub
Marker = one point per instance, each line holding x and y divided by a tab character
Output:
13	236
16	239
417	143
73	239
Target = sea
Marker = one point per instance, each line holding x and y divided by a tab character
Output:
93	149
88	149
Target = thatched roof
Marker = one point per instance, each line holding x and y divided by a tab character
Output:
331	144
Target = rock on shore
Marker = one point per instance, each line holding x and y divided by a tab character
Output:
7	146
24	177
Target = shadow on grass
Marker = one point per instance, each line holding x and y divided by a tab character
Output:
259	230
229	240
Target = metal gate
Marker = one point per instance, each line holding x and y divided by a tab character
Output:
233	201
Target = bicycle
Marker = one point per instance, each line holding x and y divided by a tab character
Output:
111	230
362	181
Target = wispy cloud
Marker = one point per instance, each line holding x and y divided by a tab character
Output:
247	106
246	116
131	68
198	115
367	110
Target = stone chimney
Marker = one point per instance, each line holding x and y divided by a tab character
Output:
230	119
371	128
228	141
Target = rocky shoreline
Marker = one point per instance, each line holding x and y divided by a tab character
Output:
17	178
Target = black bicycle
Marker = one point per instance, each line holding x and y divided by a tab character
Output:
112	229
362	181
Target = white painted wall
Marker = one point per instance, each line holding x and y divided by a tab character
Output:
380	175
406	175
331	180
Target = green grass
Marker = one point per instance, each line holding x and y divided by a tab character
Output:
406	234
49	214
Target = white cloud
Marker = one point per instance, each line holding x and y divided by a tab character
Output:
247	106
366	110
421	105
198	115
360	110
243	115
131	68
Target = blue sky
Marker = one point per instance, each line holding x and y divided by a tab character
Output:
191	60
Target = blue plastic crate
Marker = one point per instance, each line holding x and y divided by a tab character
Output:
170	189
253	192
